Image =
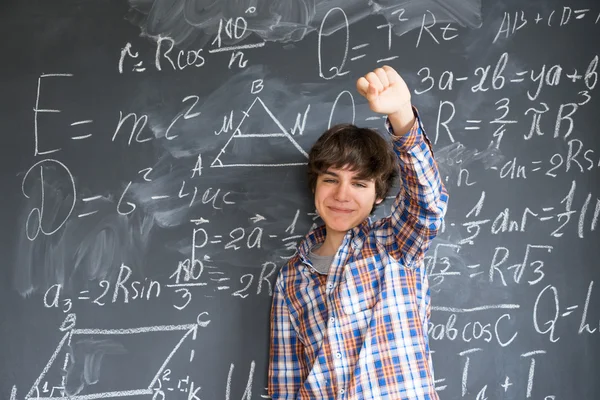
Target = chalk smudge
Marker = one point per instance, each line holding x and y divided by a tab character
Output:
85	361
189	21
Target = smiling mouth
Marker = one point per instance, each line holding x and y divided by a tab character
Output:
340	210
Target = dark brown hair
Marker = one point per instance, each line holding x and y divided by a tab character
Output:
361	149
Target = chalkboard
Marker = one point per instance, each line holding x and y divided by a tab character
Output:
153	182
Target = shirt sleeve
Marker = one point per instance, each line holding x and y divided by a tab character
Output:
287	371
421	203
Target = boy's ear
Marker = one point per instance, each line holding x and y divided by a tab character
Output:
378	201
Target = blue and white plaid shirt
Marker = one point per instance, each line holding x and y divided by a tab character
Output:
360	332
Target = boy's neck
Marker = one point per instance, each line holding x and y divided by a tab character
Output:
333	241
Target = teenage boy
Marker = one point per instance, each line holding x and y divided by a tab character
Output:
351	308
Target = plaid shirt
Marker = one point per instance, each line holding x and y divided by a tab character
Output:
360	332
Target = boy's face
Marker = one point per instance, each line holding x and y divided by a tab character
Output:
342	200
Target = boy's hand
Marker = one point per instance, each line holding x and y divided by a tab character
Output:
385	90
388	94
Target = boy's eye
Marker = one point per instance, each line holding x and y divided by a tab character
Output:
329	180
360	184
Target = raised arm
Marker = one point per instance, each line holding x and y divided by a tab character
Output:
287	371
421	203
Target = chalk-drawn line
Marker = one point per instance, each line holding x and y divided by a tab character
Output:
81	137
48	365
260	165
240	47
105	395
177	346
87	121
131	331
480	308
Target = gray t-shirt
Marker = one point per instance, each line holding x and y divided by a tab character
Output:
320	263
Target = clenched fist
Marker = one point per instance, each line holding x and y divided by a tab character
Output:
388	94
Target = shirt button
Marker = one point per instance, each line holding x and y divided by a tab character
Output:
332	320
338	355
330	285
342	391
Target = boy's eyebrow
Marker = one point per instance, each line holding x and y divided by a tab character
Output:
354	178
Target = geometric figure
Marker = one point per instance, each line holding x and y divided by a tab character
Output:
253	149
64	348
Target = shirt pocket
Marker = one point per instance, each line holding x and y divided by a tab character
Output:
360	290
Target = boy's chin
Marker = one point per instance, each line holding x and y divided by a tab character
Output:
340	227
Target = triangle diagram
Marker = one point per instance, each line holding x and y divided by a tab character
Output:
260	140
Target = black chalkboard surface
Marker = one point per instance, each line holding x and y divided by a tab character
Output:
153	182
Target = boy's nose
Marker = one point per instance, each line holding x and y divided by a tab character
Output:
341	194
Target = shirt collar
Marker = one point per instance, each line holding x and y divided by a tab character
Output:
317	236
